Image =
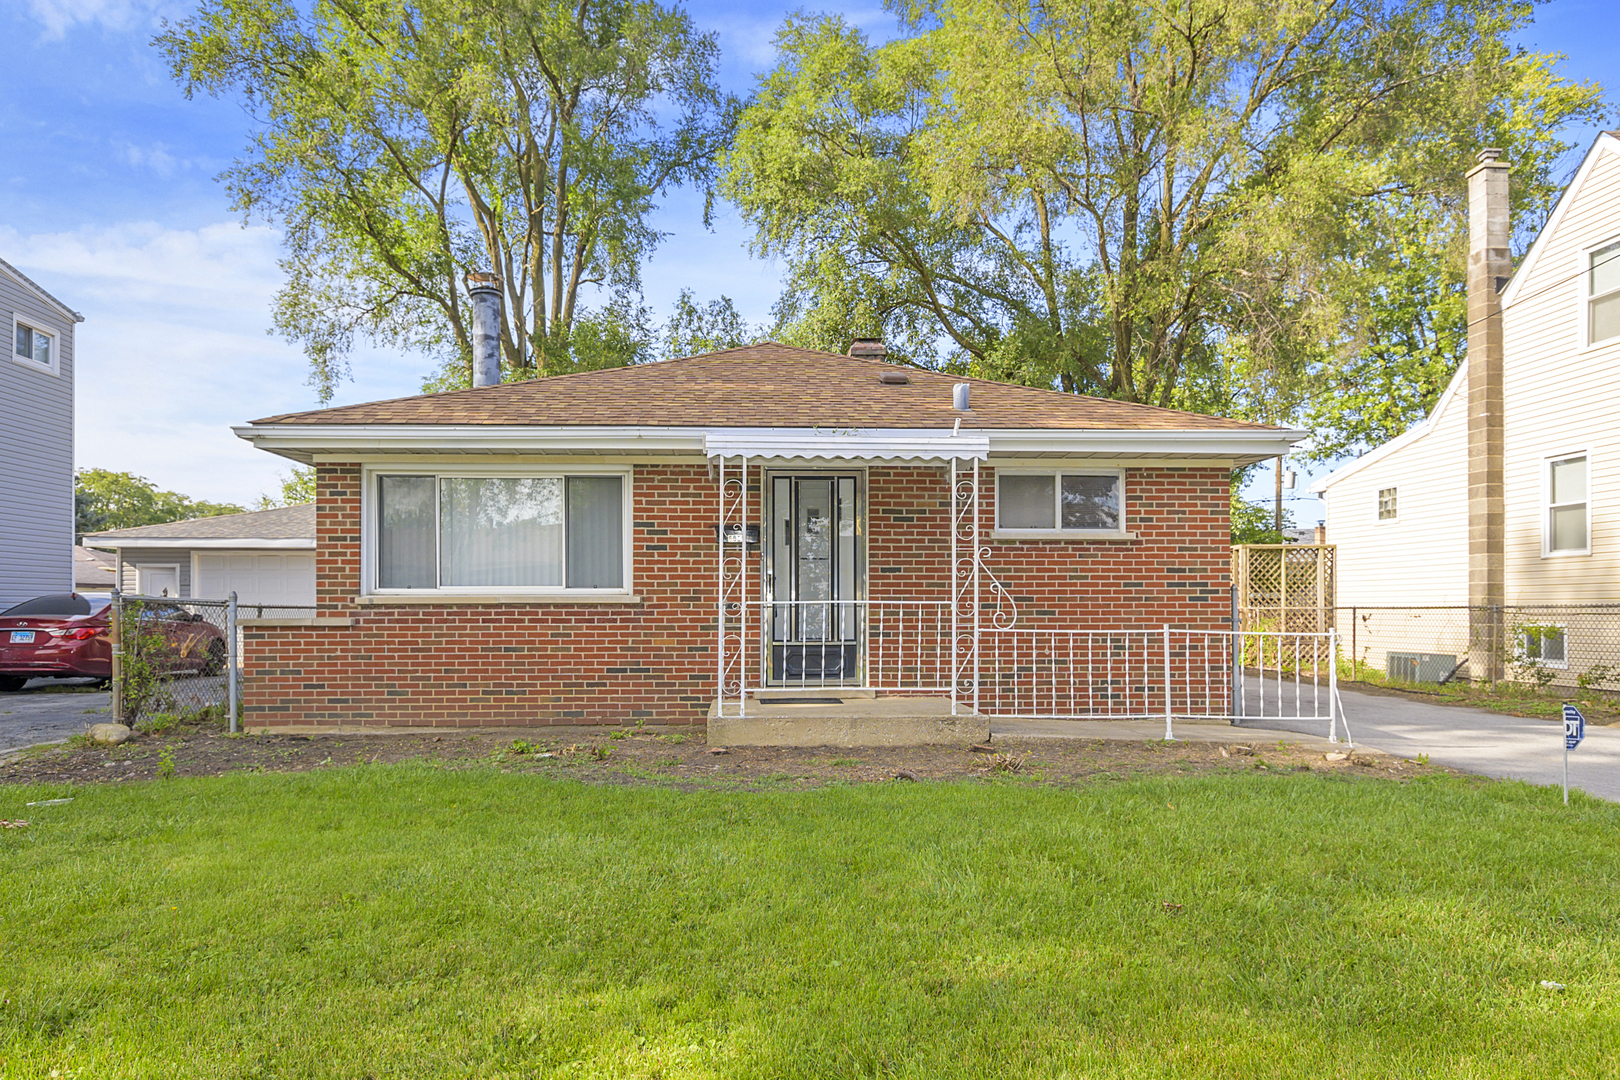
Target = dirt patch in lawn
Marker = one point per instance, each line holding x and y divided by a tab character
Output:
617	756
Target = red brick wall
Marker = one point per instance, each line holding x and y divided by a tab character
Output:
483	665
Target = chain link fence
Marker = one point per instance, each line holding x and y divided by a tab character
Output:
180	659
1541	645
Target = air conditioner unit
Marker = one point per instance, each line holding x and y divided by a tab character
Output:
1418	667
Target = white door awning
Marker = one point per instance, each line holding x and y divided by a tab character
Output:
846	444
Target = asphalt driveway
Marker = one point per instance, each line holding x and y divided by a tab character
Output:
49	710
1473	740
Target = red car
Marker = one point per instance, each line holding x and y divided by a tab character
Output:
65	636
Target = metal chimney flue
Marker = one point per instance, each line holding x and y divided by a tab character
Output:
959	397
485	292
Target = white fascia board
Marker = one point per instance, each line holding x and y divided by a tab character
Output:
1605	142
211	543
303	441
846	444
1224	445
1399	442
22	279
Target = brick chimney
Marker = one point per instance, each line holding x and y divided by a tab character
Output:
868	348
485	292
1490	264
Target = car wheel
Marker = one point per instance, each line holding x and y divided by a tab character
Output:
216	658
10	684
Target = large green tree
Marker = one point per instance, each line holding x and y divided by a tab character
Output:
404	143
1168	203
105	499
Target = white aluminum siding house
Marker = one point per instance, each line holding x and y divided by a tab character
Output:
36	440
1399	515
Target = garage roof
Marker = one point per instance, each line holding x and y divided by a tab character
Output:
283	527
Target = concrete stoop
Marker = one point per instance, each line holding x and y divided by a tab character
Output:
777	719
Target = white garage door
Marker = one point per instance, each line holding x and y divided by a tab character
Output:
257	579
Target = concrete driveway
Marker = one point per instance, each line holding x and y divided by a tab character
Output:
49	710
1473	740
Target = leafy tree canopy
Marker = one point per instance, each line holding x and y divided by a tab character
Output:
404	143
297	487
1226	205
119	500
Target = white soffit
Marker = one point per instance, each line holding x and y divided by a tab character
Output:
847	444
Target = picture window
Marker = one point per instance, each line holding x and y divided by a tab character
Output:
512	532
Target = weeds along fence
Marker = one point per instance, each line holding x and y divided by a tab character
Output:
176	659
1545	645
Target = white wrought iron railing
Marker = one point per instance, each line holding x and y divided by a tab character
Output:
894	646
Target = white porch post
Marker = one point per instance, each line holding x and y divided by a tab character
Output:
978	559
720	592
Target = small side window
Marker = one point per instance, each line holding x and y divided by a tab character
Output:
33	346
1603	294
1544	646
1386	504
1566	526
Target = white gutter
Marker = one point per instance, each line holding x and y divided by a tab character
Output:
137	543
303	441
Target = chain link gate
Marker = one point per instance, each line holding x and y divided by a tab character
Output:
174	659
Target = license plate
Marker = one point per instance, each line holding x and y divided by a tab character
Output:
22	637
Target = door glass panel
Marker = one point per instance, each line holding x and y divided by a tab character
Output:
845	582
781	557
813	536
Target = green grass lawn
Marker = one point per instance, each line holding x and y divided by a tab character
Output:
418	922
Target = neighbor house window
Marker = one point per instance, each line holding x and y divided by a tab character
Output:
33	346
1567	519
480	533
1386	504
1061	501
1544	646
1603	294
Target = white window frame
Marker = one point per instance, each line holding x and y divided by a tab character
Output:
142	569
1584	297
52	368
369	528
1547	551
1058	532
1523	644
1378	511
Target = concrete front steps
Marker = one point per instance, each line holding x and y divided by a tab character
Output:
844	718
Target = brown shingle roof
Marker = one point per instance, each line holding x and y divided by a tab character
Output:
767	385
282	523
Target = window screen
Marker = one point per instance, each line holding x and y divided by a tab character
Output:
1566	510
1080	501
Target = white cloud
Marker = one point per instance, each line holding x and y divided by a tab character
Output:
59	16
173	351
155	157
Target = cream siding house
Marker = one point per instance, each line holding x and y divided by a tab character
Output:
1400	515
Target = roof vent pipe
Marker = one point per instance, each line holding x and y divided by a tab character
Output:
959	397
485	291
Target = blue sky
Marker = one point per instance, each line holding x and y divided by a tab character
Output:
107	199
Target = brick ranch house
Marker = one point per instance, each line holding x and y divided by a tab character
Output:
742	532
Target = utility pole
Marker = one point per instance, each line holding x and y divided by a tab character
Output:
1278	525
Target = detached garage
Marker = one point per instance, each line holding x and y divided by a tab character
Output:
266	557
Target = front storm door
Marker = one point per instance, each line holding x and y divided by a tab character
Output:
815	579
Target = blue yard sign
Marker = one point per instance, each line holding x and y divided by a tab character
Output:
1574	732
1574	727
